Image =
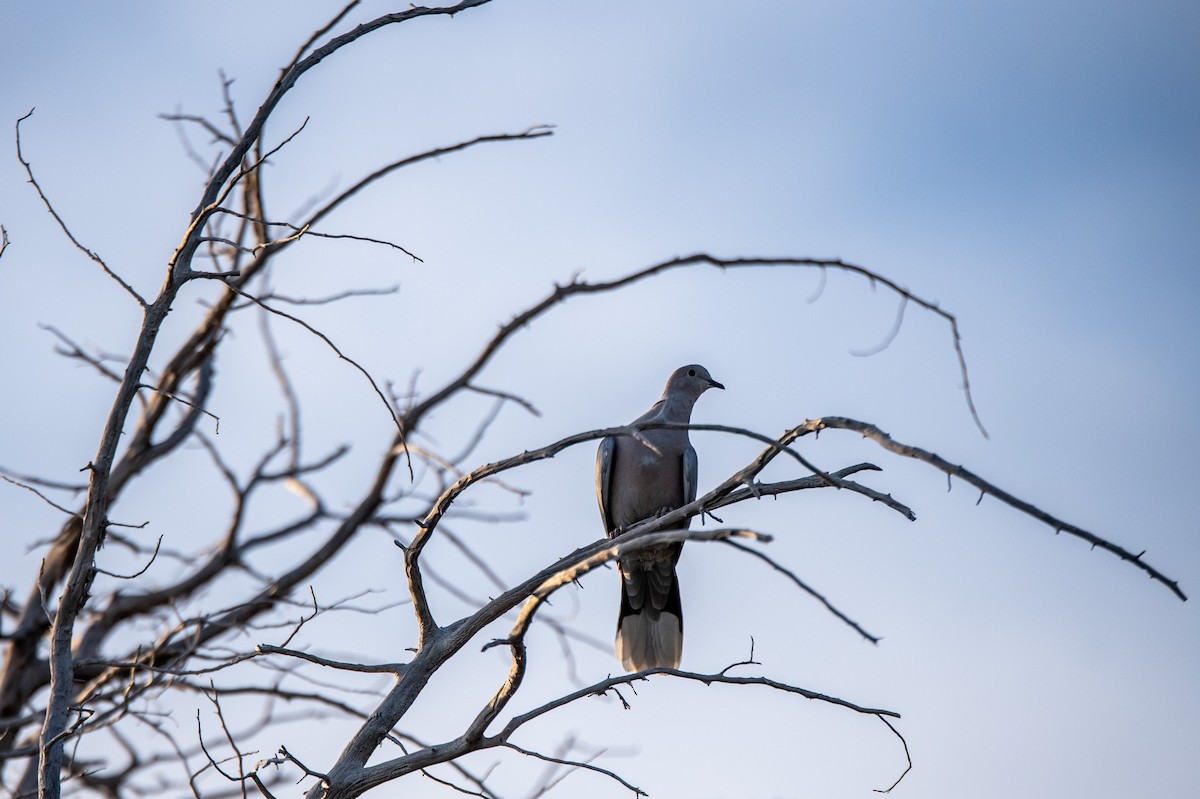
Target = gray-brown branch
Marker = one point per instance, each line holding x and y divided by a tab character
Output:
884	440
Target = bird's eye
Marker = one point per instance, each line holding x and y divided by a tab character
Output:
691	372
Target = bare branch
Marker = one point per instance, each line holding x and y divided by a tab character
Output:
493	392
535	132
56	485
63	225
806	588
75	351
380	668
245	170
216	419
708	679
305	231
39	495
578	287
583	764
177	121
317	34
332	346
341	295
289	396
884	440
214	191
759	490
907	757
890	337
140	571
217	134
211	760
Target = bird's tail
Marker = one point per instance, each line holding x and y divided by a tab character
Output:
650	627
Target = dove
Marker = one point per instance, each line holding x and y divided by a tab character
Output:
643	479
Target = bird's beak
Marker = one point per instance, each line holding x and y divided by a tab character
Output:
714	384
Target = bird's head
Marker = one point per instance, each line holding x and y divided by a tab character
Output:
691	380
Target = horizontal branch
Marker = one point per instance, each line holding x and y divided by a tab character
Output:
369	668
708	679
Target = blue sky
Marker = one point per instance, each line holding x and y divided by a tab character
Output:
1032	166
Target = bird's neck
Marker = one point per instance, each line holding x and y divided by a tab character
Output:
677	408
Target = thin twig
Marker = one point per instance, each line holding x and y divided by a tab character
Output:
50	207
39	495
890	337
806	588
907	757
305	229
140	571
76	351
332	346
367	668
341	295
169	395
576	764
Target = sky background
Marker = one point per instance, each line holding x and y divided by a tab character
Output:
1033	167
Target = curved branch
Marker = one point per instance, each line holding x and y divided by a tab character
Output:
576	287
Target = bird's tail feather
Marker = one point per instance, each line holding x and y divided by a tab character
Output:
649	640
649	634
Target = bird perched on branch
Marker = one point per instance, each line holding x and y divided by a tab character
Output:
642	479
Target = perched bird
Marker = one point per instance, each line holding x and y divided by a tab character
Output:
636	481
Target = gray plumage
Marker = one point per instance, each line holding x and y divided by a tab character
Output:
635	482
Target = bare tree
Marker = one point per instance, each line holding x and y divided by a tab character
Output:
95	658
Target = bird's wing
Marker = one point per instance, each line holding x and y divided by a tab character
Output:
690	469
604	464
